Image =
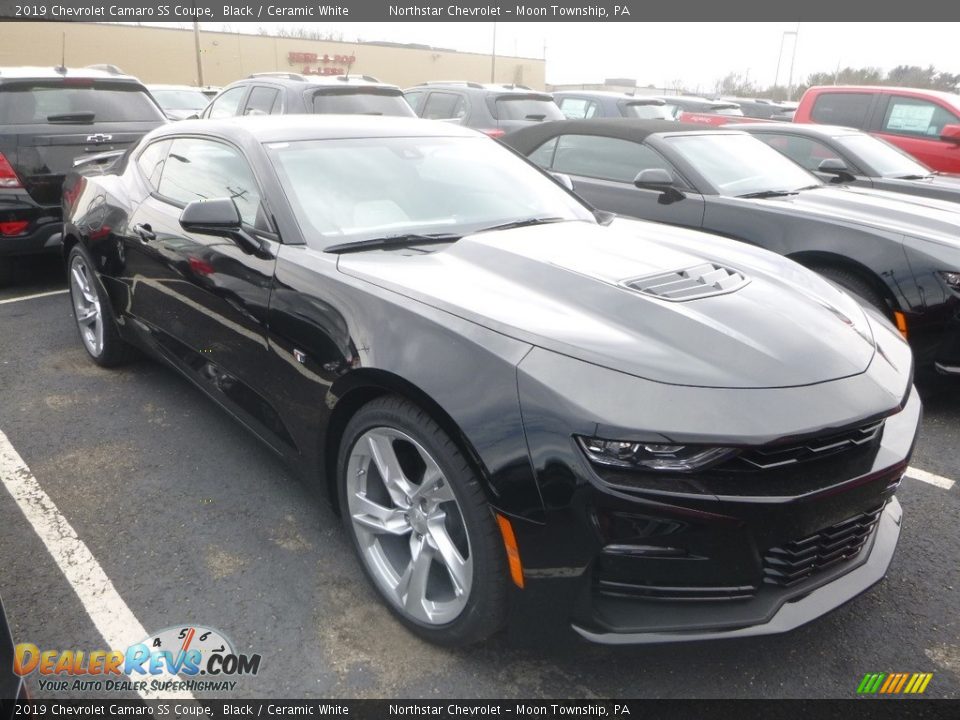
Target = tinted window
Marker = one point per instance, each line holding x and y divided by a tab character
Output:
203	170
151	160
444	106
415	100
578	108
361	101
912	116
42	102
526	108
227	104
837	108
883	158
804	151
261	101
181	99
543	155
605	158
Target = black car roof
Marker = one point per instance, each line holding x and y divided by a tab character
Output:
532	137
812	129
292	128
21	73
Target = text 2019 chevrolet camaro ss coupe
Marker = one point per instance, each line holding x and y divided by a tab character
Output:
649	432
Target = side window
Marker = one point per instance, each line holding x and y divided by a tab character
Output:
577	108
227	104
605	158
444	106
414	99
804	151
543	155
151	161
849	109
912	116
261	100
198	169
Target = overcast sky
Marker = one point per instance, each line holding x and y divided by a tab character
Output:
698	54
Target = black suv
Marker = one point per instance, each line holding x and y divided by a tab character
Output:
492	109
49	119
284	93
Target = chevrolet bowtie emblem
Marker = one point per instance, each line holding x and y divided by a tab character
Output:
99	138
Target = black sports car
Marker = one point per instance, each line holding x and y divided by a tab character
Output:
844	155
899	254
509	402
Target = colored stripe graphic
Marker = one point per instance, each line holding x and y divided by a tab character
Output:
894	683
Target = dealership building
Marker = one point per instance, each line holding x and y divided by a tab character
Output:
169	55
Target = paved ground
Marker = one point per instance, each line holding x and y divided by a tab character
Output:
195	522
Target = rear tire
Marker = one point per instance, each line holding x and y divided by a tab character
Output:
93	312
421	525
856	286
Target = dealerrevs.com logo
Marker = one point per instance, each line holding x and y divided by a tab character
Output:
152	664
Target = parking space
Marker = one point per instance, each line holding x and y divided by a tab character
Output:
192	521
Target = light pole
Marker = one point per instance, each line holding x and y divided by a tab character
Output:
196	45
493	56
783	40
793	57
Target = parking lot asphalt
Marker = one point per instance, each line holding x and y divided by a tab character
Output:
194	522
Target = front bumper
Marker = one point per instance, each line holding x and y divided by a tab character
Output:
796	609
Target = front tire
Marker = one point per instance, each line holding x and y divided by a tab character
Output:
93	312
856	286
421	525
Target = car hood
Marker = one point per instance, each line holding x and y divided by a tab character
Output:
930	218
561	286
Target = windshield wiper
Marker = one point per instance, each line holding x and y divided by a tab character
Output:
78	117
390	241
521	223
761	194
914	177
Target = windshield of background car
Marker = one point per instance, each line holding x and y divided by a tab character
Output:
181	99
361	101
883	158
740	164
648	112
527	108
364	188
27	104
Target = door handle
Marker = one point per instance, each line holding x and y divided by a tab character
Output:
145	232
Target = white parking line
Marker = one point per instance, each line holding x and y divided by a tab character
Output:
115	621
31	297
924	476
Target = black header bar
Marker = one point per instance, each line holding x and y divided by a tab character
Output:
293	11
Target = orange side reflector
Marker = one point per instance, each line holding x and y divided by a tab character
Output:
901	320
513	553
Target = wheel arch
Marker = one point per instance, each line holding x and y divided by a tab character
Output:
813	259
354	390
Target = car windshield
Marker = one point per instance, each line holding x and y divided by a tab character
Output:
361	101
885	159
527	108
41	102
740	164
181	99
347	190
647	111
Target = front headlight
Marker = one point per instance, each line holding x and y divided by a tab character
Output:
951	278
652	456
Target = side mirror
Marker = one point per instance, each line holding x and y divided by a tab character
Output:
564	180
219	217
838	168
950	133
661	181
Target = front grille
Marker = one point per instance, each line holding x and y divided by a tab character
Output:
787	454
690	284
799	560
690	593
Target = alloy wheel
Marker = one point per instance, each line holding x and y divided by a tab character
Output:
86	306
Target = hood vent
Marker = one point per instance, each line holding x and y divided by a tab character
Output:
691	284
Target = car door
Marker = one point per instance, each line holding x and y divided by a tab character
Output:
226	104
603	170
914	125
202	300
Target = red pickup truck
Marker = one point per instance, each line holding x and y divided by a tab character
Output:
924	123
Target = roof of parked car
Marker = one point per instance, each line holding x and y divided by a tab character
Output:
623	128
796	128
651	99
329	80
153	86
952	98
58	73
292	128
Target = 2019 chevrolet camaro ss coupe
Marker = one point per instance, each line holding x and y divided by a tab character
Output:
897	253
518	405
